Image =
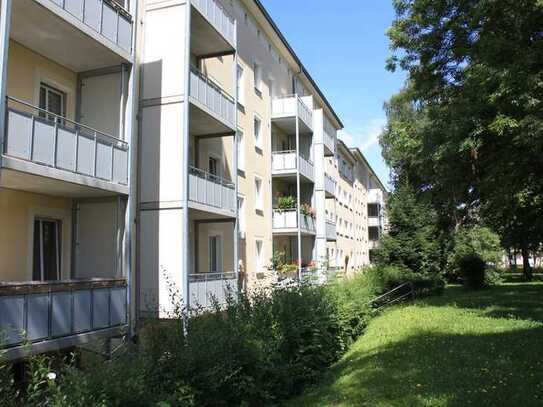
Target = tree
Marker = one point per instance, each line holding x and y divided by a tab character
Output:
467	131
413	239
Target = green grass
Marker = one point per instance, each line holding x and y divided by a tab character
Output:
462	349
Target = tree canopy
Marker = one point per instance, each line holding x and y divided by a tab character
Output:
467	129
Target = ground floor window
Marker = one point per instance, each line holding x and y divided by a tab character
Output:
46	259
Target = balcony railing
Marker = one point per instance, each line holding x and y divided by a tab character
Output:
45	311
292	106
45	138
375	195
329	185
329	136
288	219
331	234
106	17
207	289
285	161
374	221
212	97
210	190
219	18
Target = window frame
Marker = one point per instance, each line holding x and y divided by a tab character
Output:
58	237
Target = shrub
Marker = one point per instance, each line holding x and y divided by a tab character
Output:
8	394
472	268
384	279
286	202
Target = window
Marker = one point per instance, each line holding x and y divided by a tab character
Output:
214	166
257	79
241	151
259	256
52	100
241	213
259	201
258	132
215	254
46	261
240	86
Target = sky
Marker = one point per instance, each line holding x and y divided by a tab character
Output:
343	45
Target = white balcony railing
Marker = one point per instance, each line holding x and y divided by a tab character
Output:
48	311
285	162
288	219
39	136
329	185
331	234
374	221
375	195
329	136
208	289
212	97
292	106
106	17
219	18
210	190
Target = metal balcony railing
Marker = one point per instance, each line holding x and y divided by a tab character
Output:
288	219
47	311
219	18
107	17
206	289
329	185
292	106
212	96
45	138
285	161
211	190
331	233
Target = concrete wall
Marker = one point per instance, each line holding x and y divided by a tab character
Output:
17	212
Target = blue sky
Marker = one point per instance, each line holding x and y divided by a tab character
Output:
344	46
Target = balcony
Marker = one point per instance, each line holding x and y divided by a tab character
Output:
375	196
284	109
329	186
331	234
79	34
213	29
209	100
208	289
284	164
329	138
286	222
43	144
374	221
209	193
57	314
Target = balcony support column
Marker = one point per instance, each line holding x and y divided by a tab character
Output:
235	172
5	23
298	192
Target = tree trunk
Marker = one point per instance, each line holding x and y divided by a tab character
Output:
526	269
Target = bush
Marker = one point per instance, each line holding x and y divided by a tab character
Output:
384	279
256	350
472	268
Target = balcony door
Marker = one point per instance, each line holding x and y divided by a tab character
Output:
47	246
215	254
52	100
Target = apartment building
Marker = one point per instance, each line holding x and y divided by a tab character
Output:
67	96
358	209
154	165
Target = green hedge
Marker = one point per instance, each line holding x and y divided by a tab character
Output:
257	350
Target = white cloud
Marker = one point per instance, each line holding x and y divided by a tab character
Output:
364	137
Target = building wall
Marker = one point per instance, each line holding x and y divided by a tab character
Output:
27	69
17	212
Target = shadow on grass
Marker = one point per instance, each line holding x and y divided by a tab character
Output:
519	300
429	369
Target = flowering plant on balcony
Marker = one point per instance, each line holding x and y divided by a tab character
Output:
307	210
286	202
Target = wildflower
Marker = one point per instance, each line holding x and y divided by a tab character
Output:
51	375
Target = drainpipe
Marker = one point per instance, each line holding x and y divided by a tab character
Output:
5	23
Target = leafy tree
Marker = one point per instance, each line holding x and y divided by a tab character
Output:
467	131
412	242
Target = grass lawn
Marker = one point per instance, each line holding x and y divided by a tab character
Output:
480	348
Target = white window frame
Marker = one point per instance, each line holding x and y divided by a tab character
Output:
58	223
259	196
257	134
240	72
241	214
257	77
241	150
259	255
